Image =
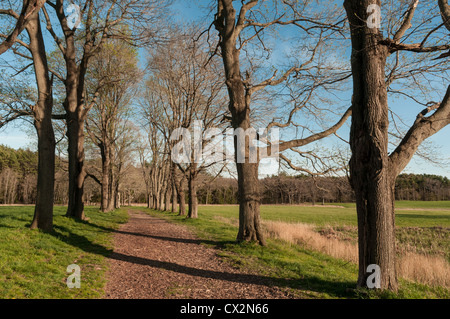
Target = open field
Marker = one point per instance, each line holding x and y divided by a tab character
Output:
33	264
408	214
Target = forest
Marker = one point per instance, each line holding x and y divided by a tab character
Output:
248	102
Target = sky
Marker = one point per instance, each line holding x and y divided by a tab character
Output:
21	136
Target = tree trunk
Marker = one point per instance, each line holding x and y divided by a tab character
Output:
181	199
192	195
248	182
77	174
105	187
161	199
117	199
43	211
249	203
113	184
174	197
370	174
167	196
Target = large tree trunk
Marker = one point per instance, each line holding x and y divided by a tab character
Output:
43	212
249	203
371	177
77	174
248	182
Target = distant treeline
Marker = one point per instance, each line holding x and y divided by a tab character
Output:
18	185
18	171
284	189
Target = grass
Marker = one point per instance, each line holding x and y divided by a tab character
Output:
33	263
321	215
311	273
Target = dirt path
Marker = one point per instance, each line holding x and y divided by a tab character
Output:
156	259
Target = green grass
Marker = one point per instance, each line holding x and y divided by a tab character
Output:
343	216
306	273
33	263
404	204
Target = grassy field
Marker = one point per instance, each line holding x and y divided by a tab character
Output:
411	214
33	264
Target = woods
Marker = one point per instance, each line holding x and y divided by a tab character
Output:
261	102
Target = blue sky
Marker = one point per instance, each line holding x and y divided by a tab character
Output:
17	136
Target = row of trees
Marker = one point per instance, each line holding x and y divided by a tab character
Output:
18	185
233	77
67	69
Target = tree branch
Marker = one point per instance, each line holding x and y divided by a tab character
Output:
406	22
300	142
28	7
423	128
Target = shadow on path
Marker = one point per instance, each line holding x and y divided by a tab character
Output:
311	283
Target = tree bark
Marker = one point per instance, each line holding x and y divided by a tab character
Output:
113	184
370	174
167	196
192	193
105	187
43	212
174	197
249	203
77	174
181	198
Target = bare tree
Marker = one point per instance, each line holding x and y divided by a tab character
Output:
101	20
237	28
373	170
188	90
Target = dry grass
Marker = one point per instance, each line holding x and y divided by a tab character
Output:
298	233
427	269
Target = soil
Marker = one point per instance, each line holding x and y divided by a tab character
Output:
156	259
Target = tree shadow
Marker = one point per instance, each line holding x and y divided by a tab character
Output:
214	243
309	283
79	241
